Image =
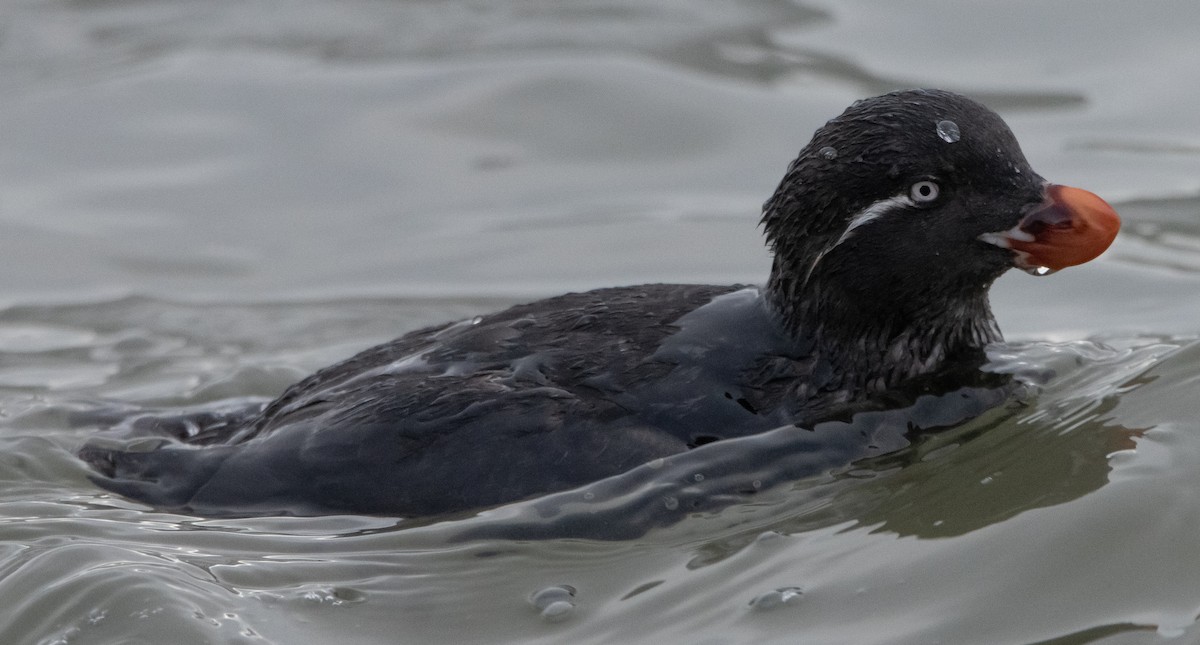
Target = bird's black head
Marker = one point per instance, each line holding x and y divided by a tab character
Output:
904	209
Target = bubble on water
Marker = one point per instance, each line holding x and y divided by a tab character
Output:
775	598
948	131
558	611
828	152
589	496
546	595
698	477
556	602
671	503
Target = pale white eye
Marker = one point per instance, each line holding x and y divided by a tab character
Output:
924	192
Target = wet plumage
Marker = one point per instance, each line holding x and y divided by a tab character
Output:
878	290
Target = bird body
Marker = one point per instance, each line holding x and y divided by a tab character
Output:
887	232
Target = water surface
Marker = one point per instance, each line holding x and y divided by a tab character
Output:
202	202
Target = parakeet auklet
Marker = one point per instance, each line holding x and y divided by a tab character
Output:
887	230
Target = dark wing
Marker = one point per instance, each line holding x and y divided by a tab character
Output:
438	446
459	416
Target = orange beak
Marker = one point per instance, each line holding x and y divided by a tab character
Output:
1071	227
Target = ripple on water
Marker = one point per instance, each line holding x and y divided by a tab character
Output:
127	571
30	338
99	593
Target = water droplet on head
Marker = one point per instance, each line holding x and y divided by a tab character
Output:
828	152
948	131
476	320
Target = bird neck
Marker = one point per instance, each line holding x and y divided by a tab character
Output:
879	341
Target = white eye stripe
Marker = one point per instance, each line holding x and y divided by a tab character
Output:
867	215
871	213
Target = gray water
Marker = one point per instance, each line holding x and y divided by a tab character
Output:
204	201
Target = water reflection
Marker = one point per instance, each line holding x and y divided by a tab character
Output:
1018	450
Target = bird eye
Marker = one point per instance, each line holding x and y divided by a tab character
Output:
924	192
